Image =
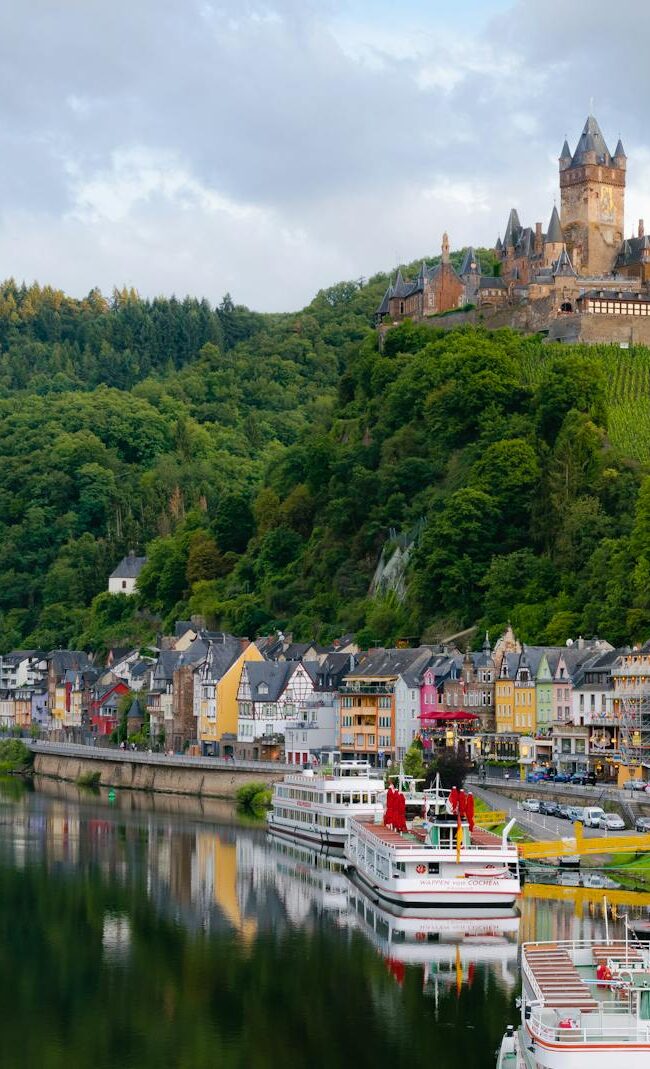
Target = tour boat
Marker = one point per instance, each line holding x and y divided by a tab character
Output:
584	1005
316	805
437	860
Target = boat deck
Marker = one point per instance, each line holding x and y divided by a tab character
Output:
415	837
557	978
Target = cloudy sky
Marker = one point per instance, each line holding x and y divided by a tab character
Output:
271	147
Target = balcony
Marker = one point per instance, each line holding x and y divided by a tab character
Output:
367	688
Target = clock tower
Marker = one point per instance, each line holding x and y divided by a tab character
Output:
592	189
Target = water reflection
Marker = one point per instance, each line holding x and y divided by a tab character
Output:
161	931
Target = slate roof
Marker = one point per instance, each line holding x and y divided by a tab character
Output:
388	663
221	655
563	265
631	251
591	140
135	711
513	229
275	674
620	151
64	660
566	151
129	567
554	233
470	258
491	282
615	295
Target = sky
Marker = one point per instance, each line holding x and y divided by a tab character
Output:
269	148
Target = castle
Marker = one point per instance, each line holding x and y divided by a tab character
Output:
581	279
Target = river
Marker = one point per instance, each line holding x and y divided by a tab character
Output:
160	932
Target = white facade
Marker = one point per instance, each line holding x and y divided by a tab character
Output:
121	586
314	733
259	718
407	723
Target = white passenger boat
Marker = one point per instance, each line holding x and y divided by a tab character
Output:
437	861
316	805
584	1005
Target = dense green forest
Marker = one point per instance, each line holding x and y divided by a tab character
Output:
262	462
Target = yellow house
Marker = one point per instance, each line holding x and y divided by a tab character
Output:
514	696
218	708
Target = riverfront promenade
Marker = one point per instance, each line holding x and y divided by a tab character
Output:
216	777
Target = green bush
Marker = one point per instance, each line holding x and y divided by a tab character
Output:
15	756
89	779
254	797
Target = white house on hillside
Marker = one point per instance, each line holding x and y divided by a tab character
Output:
123	579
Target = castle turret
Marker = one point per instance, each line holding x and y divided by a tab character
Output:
565	156
445	248
554	240
592	186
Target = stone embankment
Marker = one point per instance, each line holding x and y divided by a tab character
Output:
208	777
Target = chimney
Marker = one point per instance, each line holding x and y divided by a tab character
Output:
538	238
641	229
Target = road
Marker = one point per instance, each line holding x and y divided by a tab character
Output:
137	757
536	825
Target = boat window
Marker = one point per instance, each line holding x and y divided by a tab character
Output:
330	797
399	868
356	798
434	868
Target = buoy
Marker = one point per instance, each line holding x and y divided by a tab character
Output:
111	795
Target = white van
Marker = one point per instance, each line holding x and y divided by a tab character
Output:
592	816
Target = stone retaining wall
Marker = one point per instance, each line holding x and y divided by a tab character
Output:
217	783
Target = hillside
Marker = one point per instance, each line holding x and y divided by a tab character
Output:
261	461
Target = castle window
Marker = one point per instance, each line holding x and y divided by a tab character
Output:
401	308
566	306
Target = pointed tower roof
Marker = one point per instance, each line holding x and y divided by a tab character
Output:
566	151
400	287
422	273
499	245
470	264
591	140
513	229
563	265
383	307
554	233
620	151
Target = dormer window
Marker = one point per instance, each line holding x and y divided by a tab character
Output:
263	689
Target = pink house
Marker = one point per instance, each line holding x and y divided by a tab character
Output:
431	698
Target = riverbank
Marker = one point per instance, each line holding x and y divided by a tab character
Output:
202	777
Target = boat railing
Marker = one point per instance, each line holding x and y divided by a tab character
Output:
582	949
480	849
592	1027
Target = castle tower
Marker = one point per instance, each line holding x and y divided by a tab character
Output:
554	240
592	185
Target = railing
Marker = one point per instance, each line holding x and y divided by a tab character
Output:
100	753
593	1028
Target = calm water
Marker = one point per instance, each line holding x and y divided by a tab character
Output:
161	932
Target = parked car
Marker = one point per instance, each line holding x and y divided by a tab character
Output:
531	804
591	816
642	824
564	812
575	812
562	777
535	777
549	809
635	785
612	822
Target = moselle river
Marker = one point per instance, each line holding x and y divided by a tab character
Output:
153	932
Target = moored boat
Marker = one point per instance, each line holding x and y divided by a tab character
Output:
437	861
584	1005
316	806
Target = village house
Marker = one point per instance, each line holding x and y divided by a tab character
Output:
271	695
124	578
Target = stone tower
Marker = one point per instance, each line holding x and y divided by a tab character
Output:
592	186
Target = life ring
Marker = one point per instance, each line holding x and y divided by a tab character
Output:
420	869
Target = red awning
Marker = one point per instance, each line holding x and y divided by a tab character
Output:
442	716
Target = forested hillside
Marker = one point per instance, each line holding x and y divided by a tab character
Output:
261	462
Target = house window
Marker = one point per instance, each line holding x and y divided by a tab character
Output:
124	584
